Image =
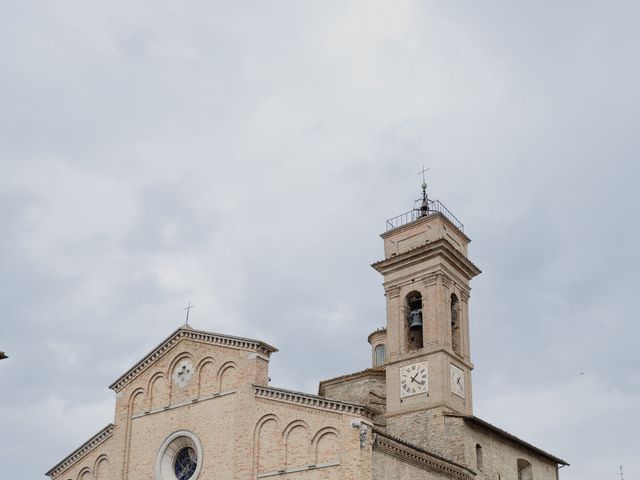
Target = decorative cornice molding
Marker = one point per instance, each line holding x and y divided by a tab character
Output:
187	333
419	254
311	401
418	457
81	451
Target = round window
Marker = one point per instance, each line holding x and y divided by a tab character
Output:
180	457
185	463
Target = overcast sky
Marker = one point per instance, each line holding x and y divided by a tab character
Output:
244	156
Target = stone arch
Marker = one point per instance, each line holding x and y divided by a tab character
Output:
297	441
158	392
182	384
137	402
414	320
207	375
268	445
85	474
326	446
227	376
101	468
454	313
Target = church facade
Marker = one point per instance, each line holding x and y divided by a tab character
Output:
200	407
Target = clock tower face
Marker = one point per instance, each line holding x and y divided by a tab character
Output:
414	379
457	381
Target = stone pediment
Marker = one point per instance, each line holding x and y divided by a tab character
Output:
188	333
80	452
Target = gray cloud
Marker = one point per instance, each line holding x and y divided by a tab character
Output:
245	157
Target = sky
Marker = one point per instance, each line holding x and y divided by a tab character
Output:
244	156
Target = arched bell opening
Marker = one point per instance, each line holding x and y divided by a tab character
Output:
414	321
455	324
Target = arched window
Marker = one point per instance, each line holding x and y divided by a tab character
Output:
455	323
380	354
524	470
414	321
479	457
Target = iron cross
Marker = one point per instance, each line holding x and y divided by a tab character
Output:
189	307
423	172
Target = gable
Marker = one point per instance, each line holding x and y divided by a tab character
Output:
187	333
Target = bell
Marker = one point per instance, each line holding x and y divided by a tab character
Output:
415	319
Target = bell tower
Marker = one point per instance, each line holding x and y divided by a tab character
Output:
426	281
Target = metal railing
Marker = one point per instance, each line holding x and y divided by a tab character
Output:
435	206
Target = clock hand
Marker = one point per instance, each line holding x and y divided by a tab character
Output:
413	379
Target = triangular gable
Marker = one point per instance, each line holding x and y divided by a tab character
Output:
188	333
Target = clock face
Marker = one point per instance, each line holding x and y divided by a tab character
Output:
414	379
183	372
457	381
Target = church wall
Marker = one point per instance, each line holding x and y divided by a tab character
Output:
500	456
430	430
298	442
213	421
154	396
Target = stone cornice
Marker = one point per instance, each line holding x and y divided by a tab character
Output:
81	451
429	250
311	401
418	457
187	333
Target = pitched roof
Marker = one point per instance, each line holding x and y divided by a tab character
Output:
188	333
508	436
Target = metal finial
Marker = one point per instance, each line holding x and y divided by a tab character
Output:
189	307
424	181
424	207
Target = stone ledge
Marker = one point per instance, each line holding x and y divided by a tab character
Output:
297	470
182	404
